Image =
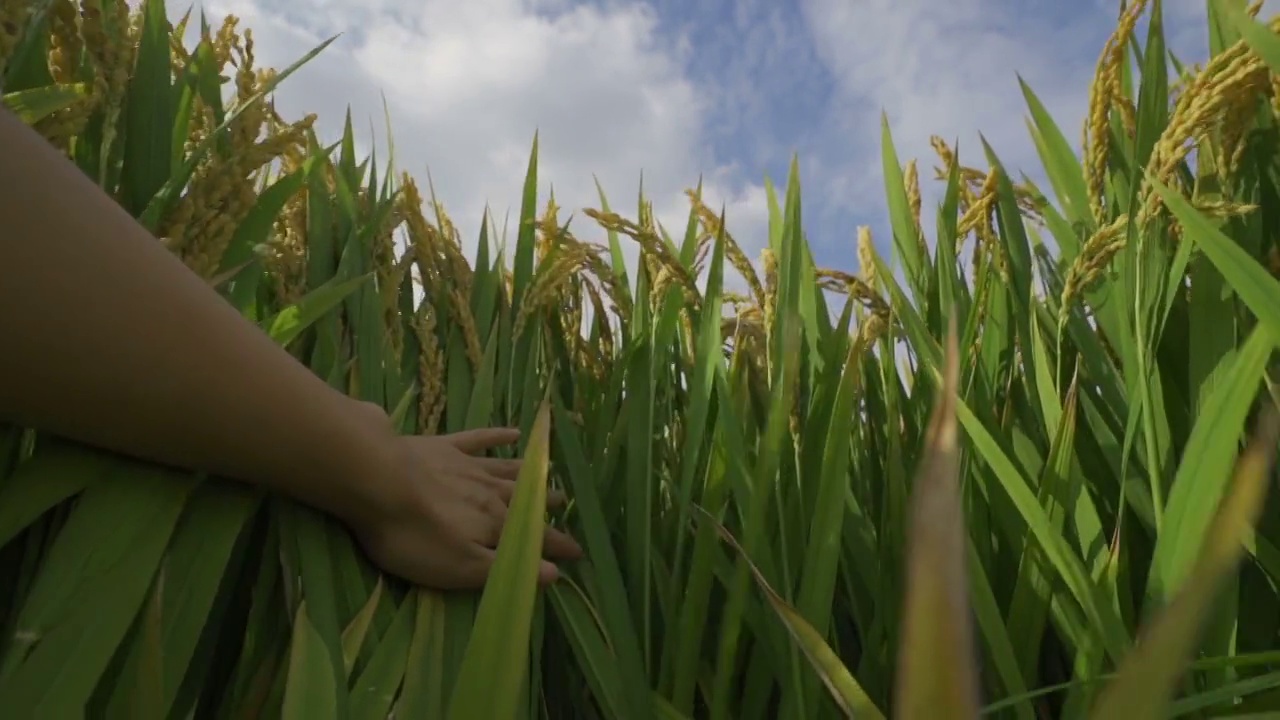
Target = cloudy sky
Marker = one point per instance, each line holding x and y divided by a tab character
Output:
677	90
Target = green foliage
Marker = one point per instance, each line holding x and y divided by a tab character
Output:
1016	485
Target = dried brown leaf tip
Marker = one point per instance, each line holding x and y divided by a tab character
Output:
936	674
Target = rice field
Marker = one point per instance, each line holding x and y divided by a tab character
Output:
1022	467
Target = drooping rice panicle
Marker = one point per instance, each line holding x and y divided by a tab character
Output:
1103	97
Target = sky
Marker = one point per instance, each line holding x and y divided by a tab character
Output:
680	90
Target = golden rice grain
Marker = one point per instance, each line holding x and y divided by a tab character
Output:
873	328
548	229
732	250
548	284
911	181
595	266
1103	95
442	267
225	41
1232	78
1223	209
109	43
1095	255
605	332
866	257
286	256
178	52
666	267
431	369
65	44
854	286
222	193
13	21
389	274
770	262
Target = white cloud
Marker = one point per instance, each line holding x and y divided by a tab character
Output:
948	69
617	87
467	84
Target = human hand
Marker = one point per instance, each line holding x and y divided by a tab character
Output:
438	522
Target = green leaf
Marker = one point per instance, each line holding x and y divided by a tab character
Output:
1204	473
1149	676
424	666
374	690
159	203
935	663
285	326
184	600
1256	288
89	589
150	120
1261	39
491	676
905	232
1060	164
353	636
309	693
35	104
256	227
43	481
844	689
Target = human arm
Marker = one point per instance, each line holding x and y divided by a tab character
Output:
107	338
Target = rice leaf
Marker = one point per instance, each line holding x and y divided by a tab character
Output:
490	677
37	103
286	325
309	693
843	688
353	636
1203	475
150	121
936	668
1148	677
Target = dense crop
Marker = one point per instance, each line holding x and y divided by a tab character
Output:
1007	473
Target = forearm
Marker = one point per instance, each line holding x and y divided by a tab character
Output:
107	338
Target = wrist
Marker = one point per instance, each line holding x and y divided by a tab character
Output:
356	480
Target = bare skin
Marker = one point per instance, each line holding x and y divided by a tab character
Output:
107	338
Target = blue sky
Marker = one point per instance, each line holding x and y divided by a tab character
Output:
726	90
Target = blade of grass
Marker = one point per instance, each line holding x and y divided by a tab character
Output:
936	660
491	675
1148	677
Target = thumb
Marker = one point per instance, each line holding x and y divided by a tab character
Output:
474	442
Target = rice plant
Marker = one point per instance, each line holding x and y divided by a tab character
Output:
1005	473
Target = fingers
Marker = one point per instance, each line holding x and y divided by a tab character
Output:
556	499
557	545
505	469
474	442
506	489
501	473
548	572
493	507
493	516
